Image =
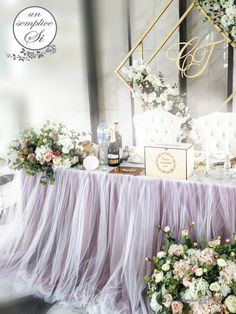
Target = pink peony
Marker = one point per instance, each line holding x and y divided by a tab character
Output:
48	156
31	157
177	307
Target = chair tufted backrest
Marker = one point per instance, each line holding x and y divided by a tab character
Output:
217	131
156	126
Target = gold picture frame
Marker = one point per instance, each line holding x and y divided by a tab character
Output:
139	46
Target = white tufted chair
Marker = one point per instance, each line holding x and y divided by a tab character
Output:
218	132
156	126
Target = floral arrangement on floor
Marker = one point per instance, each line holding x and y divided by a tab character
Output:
223	14
190	279
152	92
54	146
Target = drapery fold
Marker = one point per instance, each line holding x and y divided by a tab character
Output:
83	241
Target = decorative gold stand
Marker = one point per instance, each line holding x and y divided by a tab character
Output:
139	46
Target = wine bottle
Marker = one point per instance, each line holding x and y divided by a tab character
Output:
118	136
113	154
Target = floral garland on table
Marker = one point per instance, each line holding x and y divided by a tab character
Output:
54	146
222	13
188	279
152	92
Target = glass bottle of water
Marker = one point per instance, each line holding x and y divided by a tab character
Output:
103	139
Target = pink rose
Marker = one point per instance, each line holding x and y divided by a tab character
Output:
53	134
48	156
31	157
23	145
186	282
178	252
194	268
177	307
209	261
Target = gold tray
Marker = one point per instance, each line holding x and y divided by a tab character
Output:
134	171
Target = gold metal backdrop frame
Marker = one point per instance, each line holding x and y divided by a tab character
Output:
140	43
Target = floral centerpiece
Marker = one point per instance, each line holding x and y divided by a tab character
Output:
54	146
152	92
222	13
187	278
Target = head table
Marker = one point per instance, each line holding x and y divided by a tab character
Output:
83	241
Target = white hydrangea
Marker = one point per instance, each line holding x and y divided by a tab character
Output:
156	307
224	289
40	152
198	287
66	142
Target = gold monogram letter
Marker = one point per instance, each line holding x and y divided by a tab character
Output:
192	55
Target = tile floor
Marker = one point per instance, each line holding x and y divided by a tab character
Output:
29	305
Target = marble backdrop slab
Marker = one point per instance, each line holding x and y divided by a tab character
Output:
205	93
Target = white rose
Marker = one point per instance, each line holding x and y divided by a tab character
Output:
184	233
176	250
167	300
163	97
165	267
75	160
230	303
159	277
65	150
161	254
181	106
215	287
56	160
199	272
221	262
167	229
168	105
156	307
152	97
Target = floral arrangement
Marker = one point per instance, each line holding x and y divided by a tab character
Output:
153	93
222	13
190	279
54	146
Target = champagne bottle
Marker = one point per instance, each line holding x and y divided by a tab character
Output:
113	154
118	136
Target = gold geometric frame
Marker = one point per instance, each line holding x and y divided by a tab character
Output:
140	43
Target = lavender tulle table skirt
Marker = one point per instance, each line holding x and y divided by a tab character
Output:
83	241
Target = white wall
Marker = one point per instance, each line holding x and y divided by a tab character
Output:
54	87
